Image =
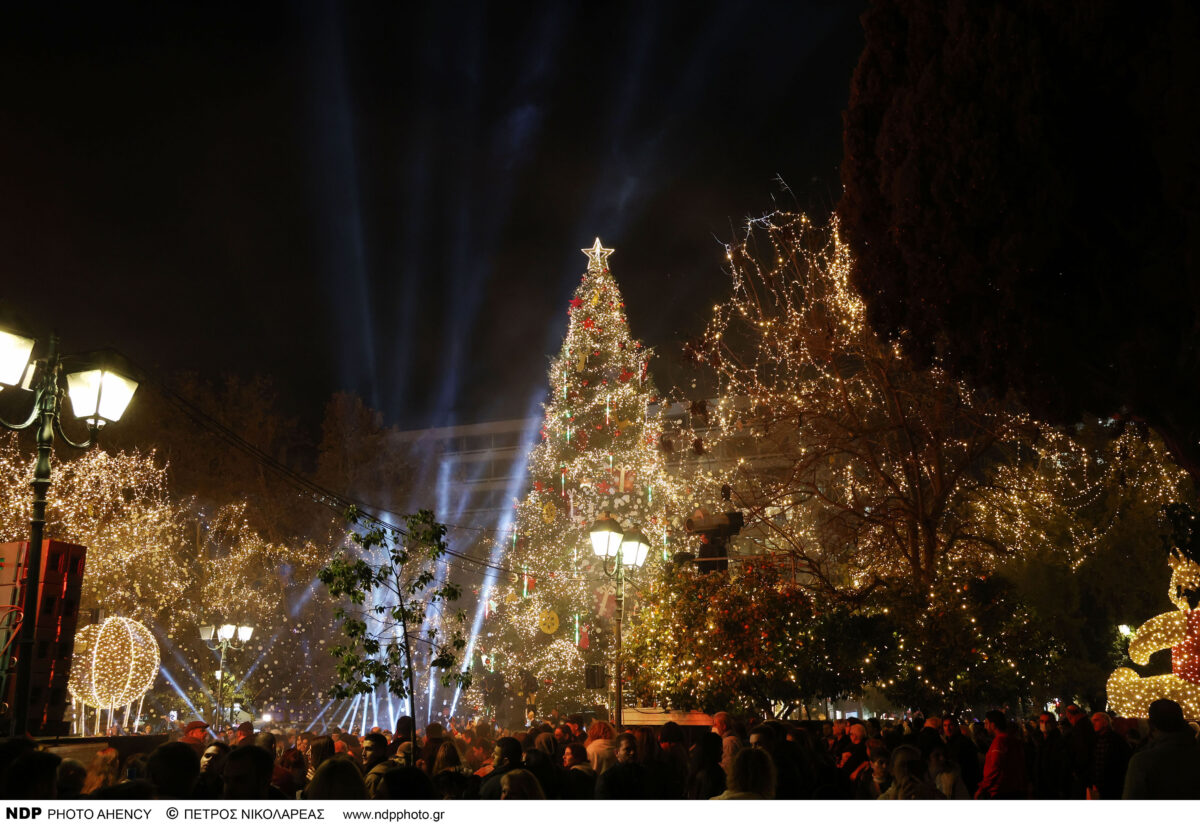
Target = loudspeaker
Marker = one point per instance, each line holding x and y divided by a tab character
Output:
58	590
594	677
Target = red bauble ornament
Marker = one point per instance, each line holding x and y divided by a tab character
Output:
576	303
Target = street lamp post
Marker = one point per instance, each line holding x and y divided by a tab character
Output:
219	640
99	394
627	551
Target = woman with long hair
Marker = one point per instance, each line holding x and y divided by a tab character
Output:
338	778
600	751
319	750
752	776
519	784
103	771
706	778
446	759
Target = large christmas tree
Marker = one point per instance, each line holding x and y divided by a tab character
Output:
599	451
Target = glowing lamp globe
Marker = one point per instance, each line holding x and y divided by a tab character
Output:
226	632
99	392
634	548
244	633
115	663
606	536
14	357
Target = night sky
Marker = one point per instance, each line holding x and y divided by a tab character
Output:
391	199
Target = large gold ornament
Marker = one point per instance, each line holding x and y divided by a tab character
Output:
549	512
548	622
115	663
1129	694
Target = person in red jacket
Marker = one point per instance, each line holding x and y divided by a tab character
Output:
1004	765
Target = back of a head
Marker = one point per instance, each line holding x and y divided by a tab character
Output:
720	722
906	764
578	752
998	719
537	760
452	784
671	733
434	730
877	750
173	768
601	730
320	750
247	773
510	749
32	776
408	783
265	739
338	778
545	743
70	777
103	770
430	751
753	770
520	784
647	744
710	749
447	758
1167	716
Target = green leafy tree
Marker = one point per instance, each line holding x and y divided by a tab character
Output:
394	593
748	641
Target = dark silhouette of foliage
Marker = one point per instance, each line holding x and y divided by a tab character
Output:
1020	194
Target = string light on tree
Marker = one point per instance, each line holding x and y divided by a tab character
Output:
599	451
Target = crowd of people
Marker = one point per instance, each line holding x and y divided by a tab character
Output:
1073	755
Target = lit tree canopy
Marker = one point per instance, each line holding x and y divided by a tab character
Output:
749	641
890	486
158	560
117	505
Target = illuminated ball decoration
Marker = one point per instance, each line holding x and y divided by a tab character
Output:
115	663
1129	694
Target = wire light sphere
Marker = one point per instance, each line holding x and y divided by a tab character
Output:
115	663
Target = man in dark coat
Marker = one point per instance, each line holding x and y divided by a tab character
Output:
1051	771
1168	766
626	780
1081	744
1110	757
580	776
506	756
962	750
245	734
